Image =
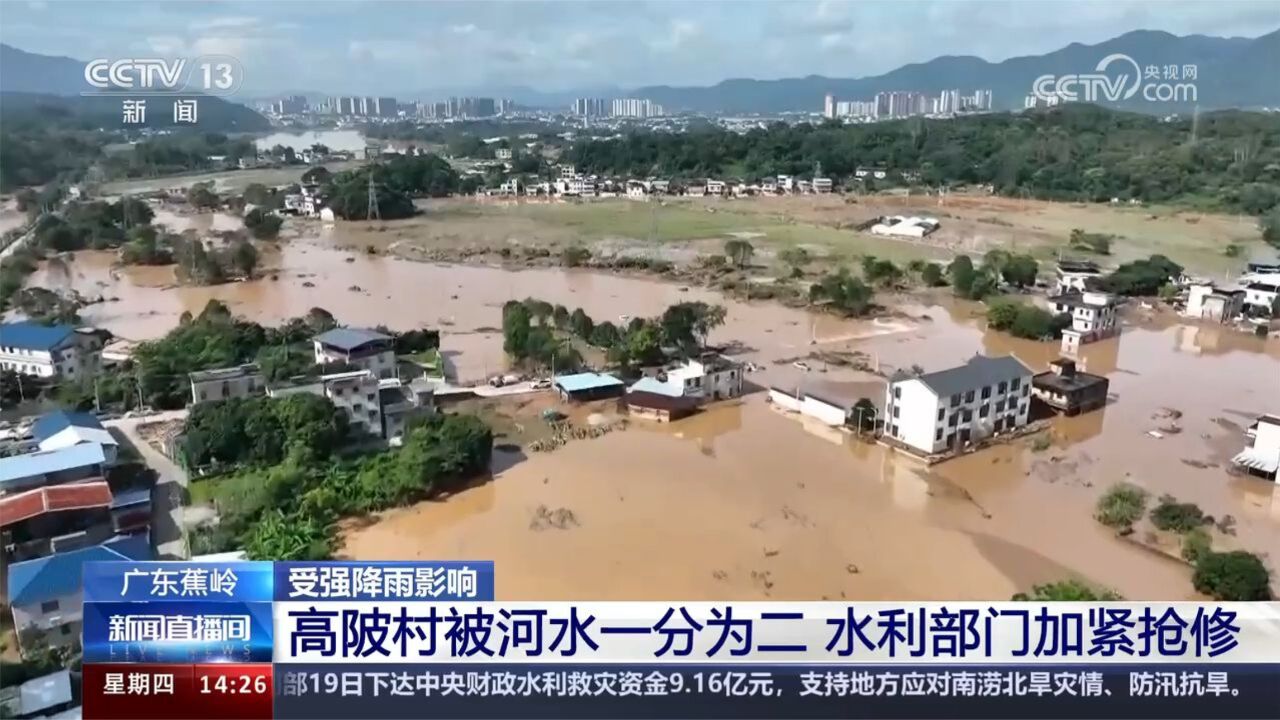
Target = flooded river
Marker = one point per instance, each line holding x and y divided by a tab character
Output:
743	502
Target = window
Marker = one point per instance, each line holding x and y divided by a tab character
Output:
986	392
999	406
938	435
65	629
1000	425
48	606
1013	384
941	413
954	420
897	392
968	397
895	411
982	412
1025	390
204	395
369	397
955	400
968	416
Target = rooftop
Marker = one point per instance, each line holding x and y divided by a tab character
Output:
29	335
229	373
50	424
74	496
660	401
979	371
350	338
654	386
1078	266
43	463
1082	299
1049	380
54	576
585	381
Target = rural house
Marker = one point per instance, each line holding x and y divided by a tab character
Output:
951	408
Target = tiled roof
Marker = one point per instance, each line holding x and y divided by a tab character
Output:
50	424
46	578
73	496
33	336
979	371
350	338
42	463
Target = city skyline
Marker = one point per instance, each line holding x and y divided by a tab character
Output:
403	48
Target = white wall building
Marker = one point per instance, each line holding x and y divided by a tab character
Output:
355	393
1261	291
949	408
1074	275
223	383
1206	301
1262	455
366	349
900	226
50	350
710	377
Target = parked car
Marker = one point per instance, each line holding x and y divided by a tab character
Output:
802	365
542	384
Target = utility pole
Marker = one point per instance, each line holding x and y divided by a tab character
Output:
97	397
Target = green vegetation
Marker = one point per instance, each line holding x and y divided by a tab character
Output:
289	511
969	282
263	224
574	256
1097	243
1026	321
881	272
864	415
1232	576
933	276
1177	517
178	153
398	181
1141	277
261	430
1270	226
843	292
1196	544
1016	269
1122	505
1067	591
795	257
1079	153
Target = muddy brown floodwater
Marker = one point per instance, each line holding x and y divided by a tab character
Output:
744	502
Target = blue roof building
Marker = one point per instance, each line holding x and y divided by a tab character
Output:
50	424
656	386
48	578
76	462
28	335
351	339
589	386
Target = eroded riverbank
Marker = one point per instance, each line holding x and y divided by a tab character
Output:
744	502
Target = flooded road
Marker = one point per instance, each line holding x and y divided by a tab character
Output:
743	502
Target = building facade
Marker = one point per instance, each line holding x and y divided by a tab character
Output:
49	350
709	377
948	409
355	393
366	349
225	383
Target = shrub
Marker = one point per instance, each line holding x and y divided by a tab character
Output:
1067	591
1175	516
574	256
1236	575
1196	544
1121	506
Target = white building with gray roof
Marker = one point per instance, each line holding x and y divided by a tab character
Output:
366	349
947	409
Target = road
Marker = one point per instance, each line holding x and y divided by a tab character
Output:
168	528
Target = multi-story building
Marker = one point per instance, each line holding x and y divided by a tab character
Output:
709	377
223	383
1094	317
635	108
365	349
1262	454
385	107
61	429
50	350
948	409
829	106
402	402
1075	275
355	393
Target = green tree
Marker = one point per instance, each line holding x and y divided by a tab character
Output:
686	325
574	256
864	415
1002	314
1122	505
1232	576
245	257
605	335
263	224
257	194
932	275
581	324
739	251
1020	270
796	257
201	195
1196	544
1270	226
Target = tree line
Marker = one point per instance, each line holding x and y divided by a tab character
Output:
1079	153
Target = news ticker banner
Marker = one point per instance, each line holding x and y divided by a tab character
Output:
425	639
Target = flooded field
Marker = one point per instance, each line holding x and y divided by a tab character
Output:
744	502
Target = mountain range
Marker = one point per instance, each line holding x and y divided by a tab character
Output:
1230	73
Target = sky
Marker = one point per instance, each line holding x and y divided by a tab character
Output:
374	47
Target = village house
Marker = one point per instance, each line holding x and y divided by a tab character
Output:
1206	301
48	696
502	153
1260	292
1093	317
660	187
86	461
401	402
355	393
950	408
223	383
660	407
900	226
61	351
61	429
786	184
695	190
581	387
709	377
365	349
510	187
716	187
1068	390
636	190
1261	455
46	595
822	185
769	186
1075	275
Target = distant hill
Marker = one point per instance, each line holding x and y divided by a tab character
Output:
1231	73
20	109
50	86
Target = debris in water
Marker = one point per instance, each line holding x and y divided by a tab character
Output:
1155	434
1198	464
308	284
356	288
720	575
771	553
852	570
560	519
